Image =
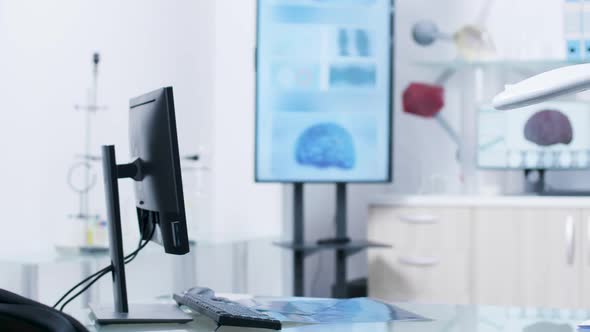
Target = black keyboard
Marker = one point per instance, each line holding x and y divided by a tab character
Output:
225	312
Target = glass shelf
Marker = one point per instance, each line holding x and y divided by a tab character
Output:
533	64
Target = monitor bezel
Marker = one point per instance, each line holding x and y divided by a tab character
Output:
479	165
155	96
391	83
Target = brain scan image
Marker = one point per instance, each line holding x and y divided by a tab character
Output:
325	145
549	127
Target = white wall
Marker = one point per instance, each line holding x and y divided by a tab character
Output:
47	48
46	70
242	208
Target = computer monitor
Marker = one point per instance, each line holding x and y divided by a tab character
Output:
324	90
159	200
158	196
547	136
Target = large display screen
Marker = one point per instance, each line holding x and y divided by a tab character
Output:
551	135
324	85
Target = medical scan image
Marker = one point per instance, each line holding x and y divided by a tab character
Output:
549	127
354	42
326	145
357	75
552	135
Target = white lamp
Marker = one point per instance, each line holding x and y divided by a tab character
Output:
543	87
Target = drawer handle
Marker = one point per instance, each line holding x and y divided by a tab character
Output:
588	238
420	219
419	261
569	240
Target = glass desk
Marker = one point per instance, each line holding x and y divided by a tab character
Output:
445	318
229	266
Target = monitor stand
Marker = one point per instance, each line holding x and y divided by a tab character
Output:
121	313
341	231
535	184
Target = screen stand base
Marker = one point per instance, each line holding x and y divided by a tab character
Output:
534	181
140	314
535	184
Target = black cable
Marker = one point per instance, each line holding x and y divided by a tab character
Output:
83	289
80	284
129	258
107	269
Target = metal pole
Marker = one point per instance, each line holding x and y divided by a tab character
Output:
30	281
111	185
298	239
341	233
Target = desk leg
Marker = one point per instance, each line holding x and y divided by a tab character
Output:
298	238
30	284
89	267
298	273
185	271
240	267
340	276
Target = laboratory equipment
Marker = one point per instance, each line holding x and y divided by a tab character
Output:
545	86
473	41
81	177
427	101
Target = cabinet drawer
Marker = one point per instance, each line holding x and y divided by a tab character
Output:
428	277
421	228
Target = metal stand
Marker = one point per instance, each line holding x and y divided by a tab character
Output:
535	184
121	313
341	244
340	274
534	181
298	238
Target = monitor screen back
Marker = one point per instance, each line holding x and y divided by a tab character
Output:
159	196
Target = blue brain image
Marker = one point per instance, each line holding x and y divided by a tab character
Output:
325	145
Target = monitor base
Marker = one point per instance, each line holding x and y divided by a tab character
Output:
535	184
565	193
140	314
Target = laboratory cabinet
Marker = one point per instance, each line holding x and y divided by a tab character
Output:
523	251
428	262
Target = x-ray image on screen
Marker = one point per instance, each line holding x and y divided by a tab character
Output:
552	135
323	91
317	146
353	76
352	42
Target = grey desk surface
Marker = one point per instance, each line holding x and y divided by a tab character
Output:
445	318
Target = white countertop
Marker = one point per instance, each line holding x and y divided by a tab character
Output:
480	201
